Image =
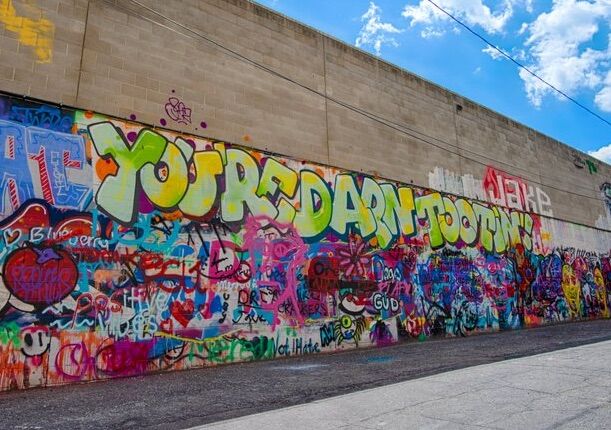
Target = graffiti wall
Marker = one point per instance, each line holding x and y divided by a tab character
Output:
126	250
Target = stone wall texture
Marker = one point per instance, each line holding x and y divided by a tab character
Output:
188	183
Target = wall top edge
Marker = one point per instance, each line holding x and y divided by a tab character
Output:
289	157
458	98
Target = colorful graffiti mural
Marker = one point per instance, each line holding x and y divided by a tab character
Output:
127	250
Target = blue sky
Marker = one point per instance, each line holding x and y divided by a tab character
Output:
567	42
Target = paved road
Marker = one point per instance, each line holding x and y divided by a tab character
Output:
190	398
565	389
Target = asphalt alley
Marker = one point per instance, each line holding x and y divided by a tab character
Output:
180	400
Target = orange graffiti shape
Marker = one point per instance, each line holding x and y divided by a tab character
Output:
106	167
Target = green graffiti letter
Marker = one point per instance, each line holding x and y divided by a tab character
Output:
275	179
401	208
487	223
116	196
316	205
500	245
509	226
241	183
201	194
166	182
527	225
348	208
373	197
429	207
468	222
449	222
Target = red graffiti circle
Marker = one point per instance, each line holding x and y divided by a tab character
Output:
40	276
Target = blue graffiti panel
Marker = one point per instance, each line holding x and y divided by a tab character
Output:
55	154
15	182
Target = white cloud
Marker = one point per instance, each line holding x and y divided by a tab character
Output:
495	54
472	12
375	32
557	51
603	154
430	32
603	97
558	45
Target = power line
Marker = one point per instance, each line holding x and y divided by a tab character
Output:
374	117
517	63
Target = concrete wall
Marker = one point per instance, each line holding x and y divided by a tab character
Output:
131	244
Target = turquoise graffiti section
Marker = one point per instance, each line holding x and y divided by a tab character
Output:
126	250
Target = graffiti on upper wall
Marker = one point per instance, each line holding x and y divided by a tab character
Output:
36	32
497	187
173	176
127	250
178	111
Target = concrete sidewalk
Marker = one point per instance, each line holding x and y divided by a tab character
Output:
570	389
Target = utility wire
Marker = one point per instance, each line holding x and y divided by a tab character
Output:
374	117
517	63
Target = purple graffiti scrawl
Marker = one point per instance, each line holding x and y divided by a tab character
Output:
178	111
